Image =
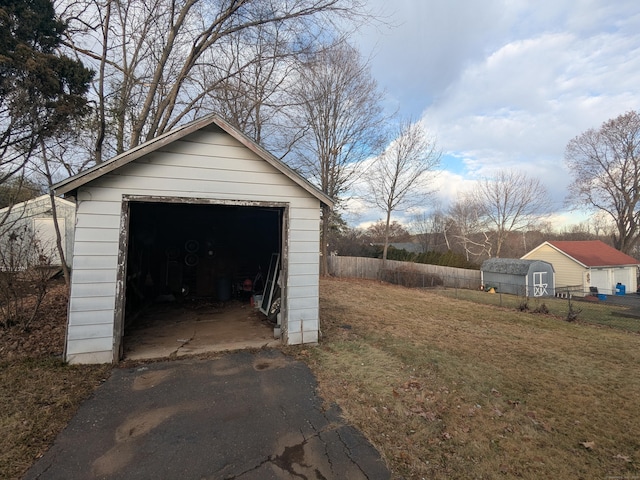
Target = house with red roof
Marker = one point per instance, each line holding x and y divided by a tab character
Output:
582	266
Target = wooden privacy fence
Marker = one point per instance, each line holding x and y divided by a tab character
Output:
404	273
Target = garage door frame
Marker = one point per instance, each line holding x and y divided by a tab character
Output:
121	276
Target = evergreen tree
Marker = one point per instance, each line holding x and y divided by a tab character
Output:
40	88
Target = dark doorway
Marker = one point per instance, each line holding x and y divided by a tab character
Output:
186	256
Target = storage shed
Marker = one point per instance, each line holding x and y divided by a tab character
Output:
32	221
583	266
531	278
191	213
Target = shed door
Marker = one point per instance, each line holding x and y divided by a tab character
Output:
541	282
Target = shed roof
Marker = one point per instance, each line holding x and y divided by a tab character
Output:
84	177
44	200
511	266
593	253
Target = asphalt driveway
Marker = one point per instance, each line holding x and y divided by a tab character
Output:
242	416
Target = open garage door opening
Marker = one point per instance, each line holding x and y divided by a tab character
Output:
201	277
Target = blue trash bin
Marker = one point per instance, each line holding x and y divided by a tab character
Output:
621	289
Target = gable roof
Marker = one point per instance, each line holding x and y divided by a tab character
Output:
86	176
592	253
41	203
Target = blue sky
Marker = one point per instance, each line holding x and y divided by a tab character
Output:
506	83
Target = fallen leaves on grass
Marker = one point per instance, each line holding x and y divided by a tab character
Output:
39	393
45	335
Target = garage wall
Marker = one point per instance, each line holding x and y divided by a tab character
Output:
628	276
37	213
208	164
568	273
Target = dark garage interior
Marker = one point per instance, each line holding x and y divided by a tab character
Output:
204	257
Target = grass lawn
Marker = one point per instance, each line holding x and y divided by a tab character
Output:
444	387
448	388
598	313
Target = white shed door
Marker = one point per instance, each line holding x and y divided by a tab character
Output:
45	233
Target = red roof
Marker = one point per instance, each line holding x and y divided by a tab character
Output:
594	253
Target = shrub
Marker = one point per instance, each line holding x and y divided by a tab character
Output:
409	276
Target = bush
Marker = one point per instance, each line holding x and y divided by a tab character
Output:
409	276
447	259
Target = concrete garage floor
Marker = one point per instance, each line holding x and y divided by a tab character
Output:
173	330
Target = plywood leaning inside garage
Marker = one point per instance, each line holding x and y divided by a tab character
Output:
191	217
270	293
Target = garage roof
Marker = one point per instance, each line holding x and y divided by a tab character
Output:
593	253
154	144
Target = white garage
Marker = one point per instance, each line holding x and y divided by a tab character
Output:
195	213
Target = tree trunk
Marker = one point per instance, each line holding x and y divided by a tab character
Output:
385	249
386	237
54	214
324	237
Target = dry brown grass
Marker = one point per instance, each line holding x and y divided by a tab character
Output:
39	393
445	388
451	389
38	398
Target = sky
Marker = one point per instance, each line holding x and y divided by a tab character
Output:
504	84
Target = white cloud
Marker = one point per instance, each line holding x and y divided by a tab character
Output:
508	83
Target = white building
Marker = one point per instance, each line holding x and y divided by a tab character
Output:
31	221
190	211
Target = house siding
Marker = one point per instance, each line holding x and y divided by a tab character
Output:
27	213
568	273
207	165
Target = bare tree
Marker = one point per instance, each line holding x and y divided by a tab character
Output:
159	61
605	166
340	116
396	231
601	224
400	176
468	228
511	201
253	88
432	229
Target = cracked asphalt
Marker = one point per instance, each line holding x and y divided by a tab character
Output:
245	416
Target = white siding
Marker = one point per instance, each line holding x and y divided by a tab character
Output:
568	272
205	165
36	213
